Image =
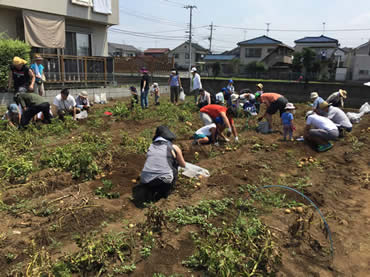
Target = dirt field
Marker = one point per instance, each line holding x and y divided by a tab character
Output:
66	201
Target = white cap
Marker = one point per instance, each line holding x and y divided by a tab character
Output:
194	69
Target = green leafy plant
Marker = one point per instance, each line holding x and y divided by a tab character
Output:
105	190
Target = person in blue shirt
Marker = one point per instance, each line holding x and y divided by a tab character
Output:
317	100
38	71
287	121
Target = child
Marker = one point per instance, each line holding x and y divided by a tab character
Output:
155	90
230	86
134	96
287	121
260	92
13	115
206	134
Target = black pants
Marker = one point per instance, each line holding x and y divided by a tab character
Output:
33	110
151	192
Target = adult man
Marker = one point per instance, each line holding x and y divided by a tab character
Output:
20	76
144	88
13	115
204	98
337	98
38	70
82	101
319	130
273	102
222	116
65	104
32	104
337	116
196	83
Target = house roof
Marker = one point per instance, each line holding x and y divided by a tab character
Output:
157	50
235	51
195	45
260	40
124	47
320	39
219	57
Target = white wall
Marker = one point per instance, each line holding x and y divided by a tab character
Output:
66	8
360	62
246	60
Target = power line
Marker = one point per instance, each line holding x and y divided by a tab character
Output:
146	35
291	30
174	3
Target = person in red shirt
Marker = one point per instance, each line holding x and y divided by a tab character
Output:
222	116
274	102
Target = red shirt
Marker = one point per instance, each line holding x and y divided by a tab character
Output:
269	97
215	111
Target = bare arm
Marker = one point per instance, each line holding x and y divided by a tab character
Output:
179	156
74	113
235	133
180	82
226	120
169	80
33	78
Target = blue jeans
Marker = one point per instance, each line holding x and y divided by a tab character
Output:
144	99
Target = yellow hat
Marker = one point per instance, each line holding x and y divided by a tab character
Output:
343	93
324	105
19	61
260	86
37	57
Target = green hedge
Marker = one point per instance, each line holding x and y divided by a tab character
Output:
10	48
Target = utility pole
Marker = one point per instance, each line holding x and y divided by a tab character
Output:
323	28
210	38
190	7
268	29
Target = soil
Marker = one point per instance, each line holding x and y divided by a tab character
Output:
339	186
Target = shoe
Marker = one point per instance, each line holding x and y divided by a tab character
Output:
325	147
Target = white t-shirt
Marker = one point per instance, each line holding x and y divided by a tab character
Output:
197	84
320	122
206	130
67	104
220	97
339	117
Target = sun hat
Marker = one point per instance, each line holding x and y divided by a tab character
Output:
257	94
13	108
155	85
37	57
324	105
19	61
260	86
234	97
289	106
314	95
164	132
194	69
343	93
308	114
173	71
83	94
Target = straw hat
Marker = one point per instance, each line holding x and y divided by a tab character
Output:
314	95
19	61
260	86
37	57
83	94
343	93
324	105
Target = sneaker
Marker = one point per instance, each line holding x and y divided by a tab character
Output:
325	147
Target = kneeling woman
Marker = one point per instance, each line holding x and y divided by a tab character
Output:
160	169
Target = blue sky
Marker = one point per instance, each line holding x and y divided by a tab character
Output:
166	20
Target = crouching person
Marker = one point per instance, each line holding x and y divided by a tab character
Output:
65	104
319	131
32	104
13	115
82	101
160	171
206	134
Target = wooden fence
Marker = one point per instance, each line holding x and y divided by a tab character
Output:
134	64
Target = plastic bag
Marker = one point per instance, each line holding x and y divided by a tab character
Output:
193	171
354	117
182	95
97	98
365	108
263	127
81	115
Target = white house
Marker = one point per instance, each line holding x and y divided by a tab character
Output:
181	55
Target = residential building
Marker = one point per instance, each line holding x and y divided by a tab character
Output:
235	52
70	27
323	46
264	49
228	63
122	50
359	63
156	52
181	55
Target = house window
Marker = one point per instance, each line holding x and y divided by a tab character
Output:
270	50
187	56
253	52
78	44
176	56
364	72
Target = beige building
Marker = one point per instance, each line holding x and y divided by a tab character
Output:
79	27
322	45
359	63
181	55
264	49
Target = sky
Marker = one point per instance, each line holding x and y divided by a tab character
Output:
163	23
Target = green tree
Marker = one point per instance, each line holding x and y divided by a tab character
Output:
216	68
309	57
255	67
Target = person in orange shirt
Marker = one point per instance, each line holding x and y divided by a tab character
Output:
274	102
